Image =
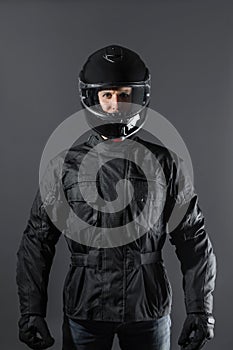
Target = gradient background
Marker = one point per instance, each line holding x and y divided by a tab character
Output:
188	47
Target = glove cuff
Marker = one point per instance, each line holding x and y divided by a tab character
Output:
209	317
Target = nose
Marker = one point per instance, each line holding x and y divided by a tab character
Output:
115	103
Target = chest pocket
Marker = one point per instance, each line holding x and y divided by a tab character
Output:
148	202
83	200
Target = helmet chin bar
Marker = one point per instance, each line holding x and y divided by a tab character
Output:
112	130
117	130
118	127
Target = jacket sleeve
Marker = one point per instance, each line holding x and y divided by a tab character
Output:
36	251
193	246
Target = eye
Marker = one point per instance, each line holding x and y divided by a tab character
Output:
124	95
107	95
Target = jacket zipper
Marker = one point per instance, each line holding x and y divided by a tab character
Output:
124	247
124	283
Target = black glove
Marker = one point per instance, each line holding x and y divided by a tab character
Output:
197	329
33	331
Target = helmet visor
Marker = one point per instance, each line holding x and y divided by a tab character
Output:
115	103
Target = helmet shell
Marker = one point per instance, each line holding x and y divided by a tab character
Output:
112	67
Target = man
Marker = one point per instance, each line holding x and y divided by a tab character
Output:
117	282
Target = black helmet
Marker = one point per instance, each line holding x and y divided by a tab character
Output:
115	68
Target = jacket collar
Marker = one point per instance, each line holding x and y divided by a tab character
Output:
96	138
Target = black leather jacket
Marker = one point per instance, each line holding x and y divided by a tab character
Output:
118	282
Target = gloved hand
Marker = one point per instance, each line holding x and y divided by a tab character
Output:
197	329
33	331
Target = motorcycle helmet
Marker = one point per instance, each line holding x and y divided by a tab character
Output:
115	70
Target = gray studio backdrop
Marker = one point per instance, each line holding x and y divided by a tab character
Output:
188	47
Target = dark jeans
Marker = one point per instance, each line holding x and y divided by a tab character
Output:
98	335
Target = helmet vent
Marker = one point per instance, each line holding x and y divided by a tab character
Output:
113	54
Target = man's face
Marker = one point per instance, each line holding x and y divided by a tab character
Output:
116	99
